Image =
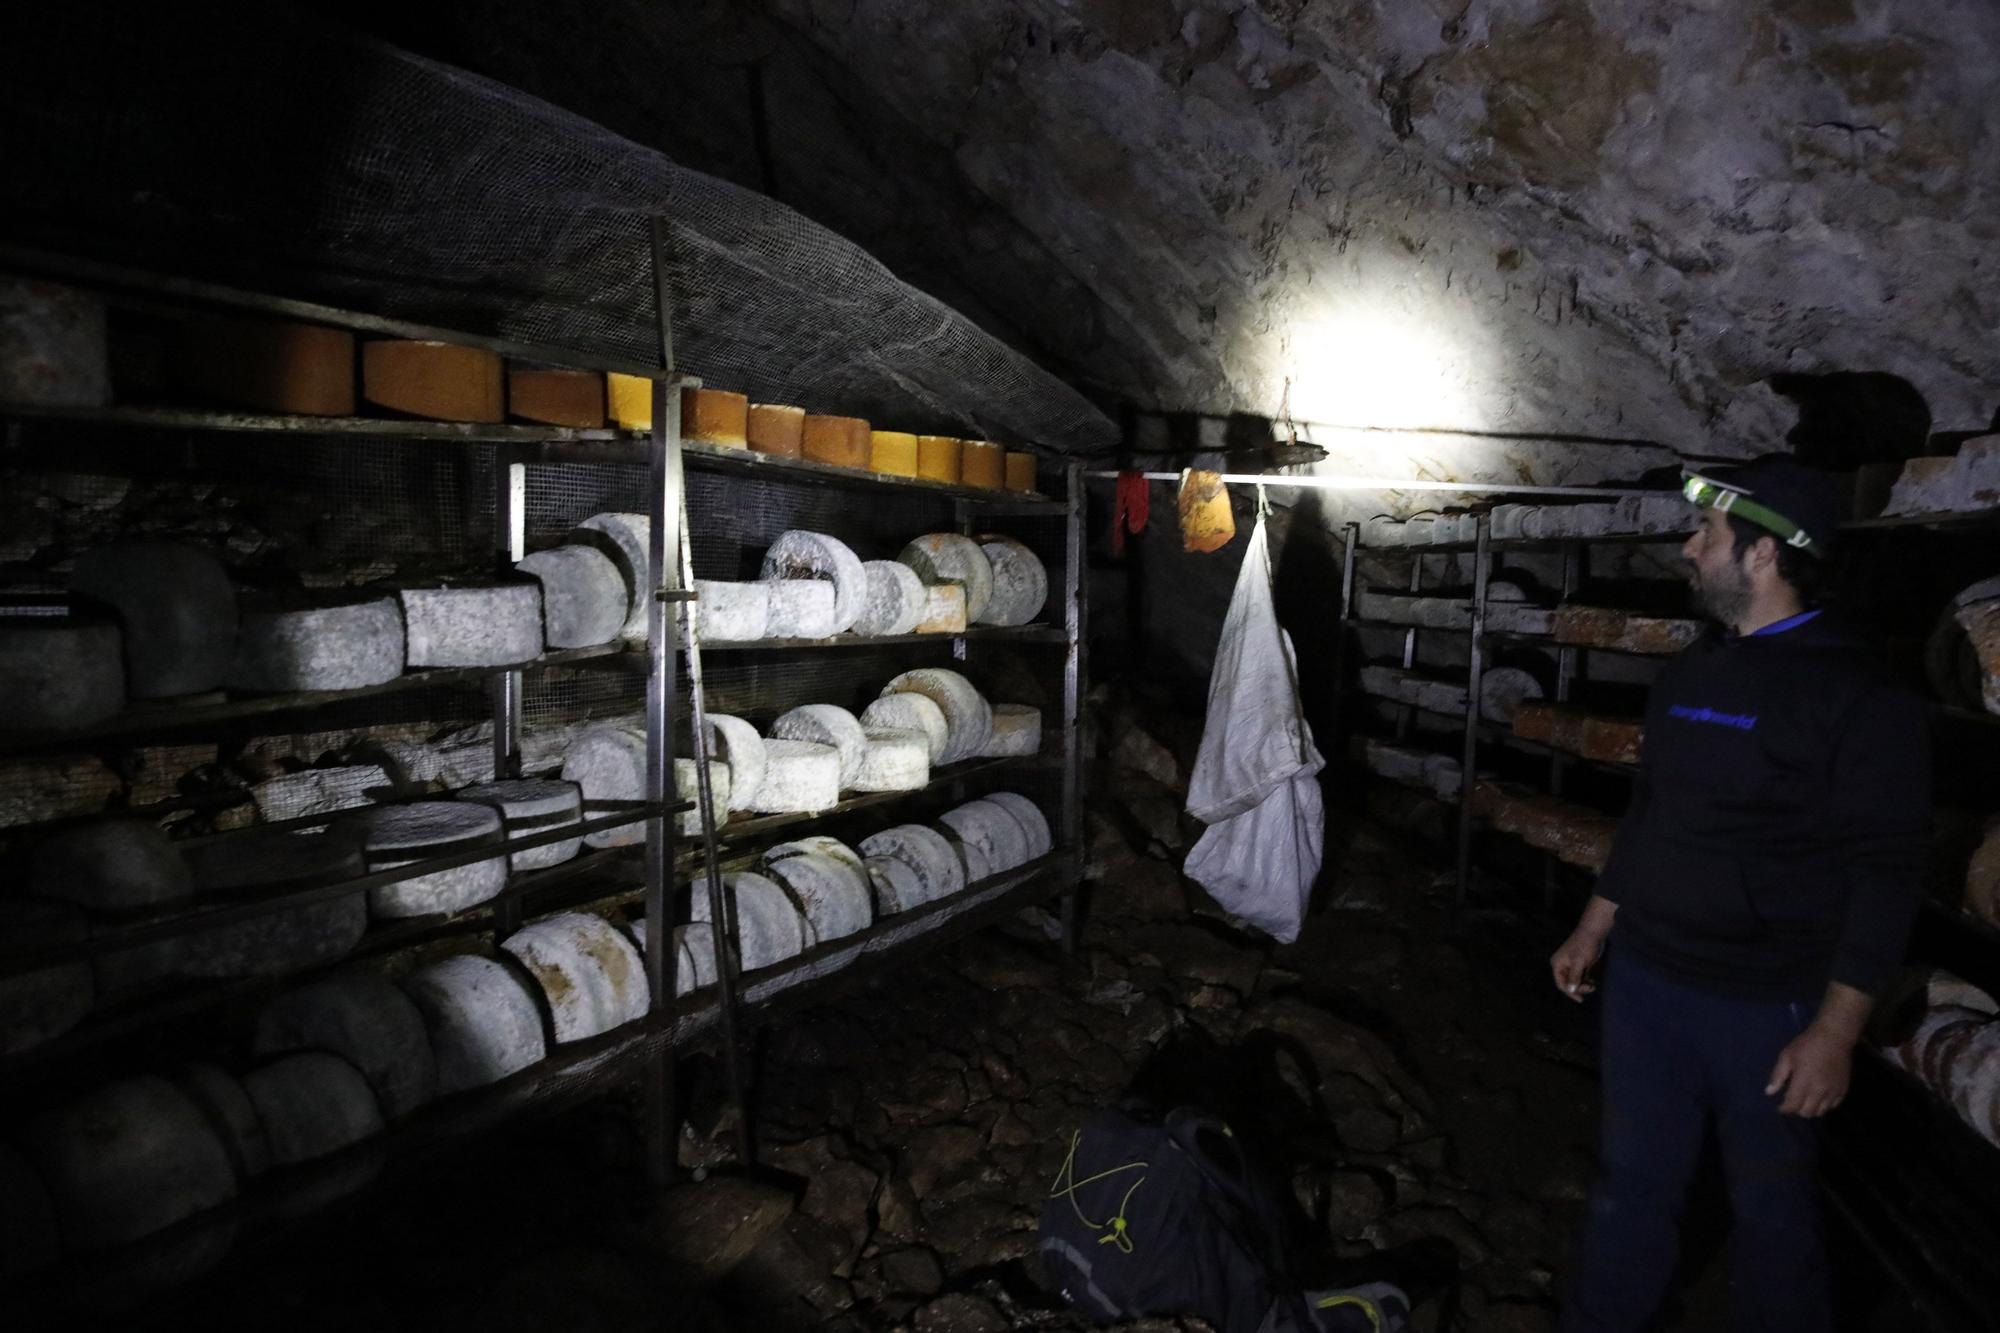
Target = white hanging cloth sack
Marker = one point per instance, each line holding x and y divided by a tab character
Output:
1254	783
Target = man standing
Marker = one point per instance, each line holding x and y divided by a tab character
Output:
1758	897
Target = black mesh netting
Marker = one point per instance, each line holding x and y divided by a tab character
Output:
257	147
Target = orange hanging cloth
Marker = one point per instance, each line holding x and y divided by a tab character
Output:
1129	507
1207	522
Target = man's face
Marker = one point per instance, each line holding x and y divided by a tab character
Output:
1721	584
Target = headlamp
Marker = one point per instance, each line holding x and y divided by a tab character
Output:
1708	493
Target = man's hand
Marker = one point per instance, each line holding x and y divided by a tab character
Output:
1580	952
1812	1072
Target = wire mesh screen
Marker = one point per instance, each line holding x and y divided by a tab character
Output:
374	179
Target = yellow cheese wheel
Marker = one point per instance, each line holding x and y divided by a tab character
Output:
441	381
556	397
778	430
944	609
841	441
266	364
938	458
893	452
983	463
1020	471
631	401
715	416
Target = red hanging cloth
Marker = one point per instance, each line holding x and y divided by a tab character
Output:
1129	508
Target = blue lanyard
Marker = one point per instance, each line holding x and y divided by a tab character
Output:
1780	626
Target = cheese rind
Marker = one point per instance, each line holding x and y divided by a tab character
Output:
815	555
944	610
1020	469
482	1022
968	717
176	607
734	742
893	453
311	1104
897	600
926	852
591	976
584	598
346	645
687	778
826	724
948	557
777	430
911	712
1031	819
996	833
940	458
268	365
738	612
1020	583
715	416
800	609
769	927
400	835
59	672
111	866
895	885
363	1018
436	380
573	398
800	777
268	863
838	441
983	463
833	895
630	401
623	539
533	805
893	760
1017	730
472	624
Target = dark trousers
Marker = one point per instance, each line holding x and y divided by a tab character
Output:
1673	1058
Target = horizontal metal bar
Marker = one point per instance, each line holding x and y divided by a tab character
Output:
748	462
1334	481
271	423
1024	634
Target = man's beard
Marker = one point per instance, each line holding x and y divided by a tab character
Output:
1727	598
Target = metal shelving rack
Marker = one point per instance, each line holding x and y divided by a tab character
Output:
670	657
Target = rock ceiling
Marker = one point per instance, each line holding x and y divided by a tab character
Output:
1612	220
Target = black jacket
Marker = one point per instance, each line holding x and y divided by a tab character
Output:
1779	827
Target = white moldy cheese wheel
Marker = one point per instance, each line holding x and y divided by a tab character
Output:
365	1020
833	895
769	928
738	612
1017	730
1020	583
894	885
1029	816
968	718
944	610
800	777
800	609
896	600
483	1024
925	851
734	742
991	828
337	645
220	1096
893	760
590	974
312	1103
910	712
687	782
400	835
624	540
318	791
978	865
826	724
819	843
947	557
111	865
533	805
472	624
176	607
267	864
60	668
608	763
584	599
814	555
696	943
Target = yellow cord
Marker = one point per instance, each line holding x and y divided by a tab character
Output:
1367	1308
1117	1225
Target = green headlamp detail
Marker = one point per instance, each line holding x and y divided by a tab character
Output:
1711	494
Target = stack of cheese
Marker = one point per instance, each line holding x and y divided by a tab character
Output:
996	833
993	580
1950	1038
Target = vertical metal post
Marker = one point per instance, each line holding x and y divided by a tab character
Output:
1482	569
1566	657
510	545
1350	542
1073	691
962	514
1406	714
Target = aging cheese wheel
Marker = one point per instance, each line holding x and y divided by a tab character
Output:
840	441
608	763
268	365
833	895
267	861
399	835
1017	730
365	1020
128	1159
892	452
111	866
897	601
326	644
769	928
714	416
1938	1036
925	851
734	742
268	864
893	760
319	791
591	976
60	668
944	610
472	624
947	557
1974	1089
553	397
940	458
777	430
687	775
989	827
1208	523
438	381
176	607
1020	583
968	718
584	598
630	399
483	1024
1029	816
47	1001
52	346
1981	621
819	843
826	724
623	539
696	945
983	463
814	555
1020	471
533	805
801	609
1502	689
221	1097
800	777
911	712
972	856
895	885
312	1104
739	612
